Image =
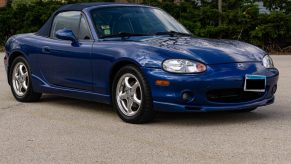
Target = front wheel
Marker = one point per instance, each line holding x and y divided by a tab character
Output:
20	81
131	96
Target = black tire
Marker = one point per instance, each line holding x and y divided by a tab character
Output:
145	113
29	95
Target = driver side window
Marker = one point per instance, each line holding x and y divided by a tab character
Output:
69	20
72	20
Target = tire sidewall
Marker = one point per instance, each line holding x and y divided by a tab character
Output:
137	73
29	90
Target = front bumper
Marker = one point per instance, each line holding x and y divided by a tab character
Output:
217	77
169	107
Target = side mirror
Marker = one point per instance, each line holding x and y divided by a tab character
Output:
66	34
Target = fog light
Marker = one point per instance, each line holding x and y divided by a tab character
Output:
187	96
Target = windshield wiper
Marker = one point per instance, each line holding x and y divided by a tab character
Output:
173	33
123	35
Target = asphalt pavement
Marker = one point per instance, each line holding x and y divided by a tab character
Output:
64	130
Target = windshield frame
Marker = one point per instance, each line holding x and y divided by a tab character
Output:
133	6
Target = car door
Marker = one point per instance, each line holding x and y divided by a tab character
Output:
63	63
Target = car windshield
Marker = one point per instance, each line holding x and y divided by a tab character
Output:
134	21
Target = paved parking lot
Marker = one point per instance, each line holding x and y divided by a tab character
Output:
63	130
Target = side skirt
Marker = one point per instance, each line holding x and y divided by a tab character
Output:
41	86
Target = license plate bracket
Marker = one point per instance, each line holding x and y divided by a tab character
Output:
255	83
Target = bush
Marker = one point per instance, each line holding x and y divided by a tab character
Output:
241	20
25	18
273	31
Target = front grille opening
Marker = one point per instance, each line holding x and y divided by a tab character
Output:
232	95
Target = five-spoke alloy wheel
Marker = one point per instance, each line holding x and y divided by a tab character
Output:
20	81
128	94
131	96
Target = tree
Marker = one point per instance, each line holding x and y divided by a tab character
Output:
241	19
283	5
16	3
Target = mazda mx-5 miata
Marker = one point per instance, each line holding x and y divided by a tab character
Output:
140	59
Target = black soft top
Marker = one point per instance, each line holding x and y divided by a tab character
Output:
45	29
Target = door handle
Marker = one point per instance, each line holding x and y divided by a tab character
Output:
46	49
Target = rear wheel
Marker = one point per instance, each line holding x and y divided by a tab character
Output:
132	96
20	81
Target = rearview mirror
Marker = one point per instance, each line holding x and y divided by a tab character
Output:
66	34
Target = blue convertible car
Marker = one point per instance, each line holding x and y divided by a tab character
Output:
138	58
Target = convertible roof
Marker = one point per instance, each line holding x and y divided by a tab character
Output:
81	6
45	29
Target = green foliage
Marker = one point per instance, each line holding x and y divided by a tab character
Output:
5	16
273	31
277	4
16	3
25	17
241	20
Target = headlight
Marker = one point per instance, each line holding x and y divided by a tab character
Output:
183	66
268	62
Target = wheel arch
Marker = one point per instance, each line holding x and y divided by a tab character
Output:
118	65
11	58
147	113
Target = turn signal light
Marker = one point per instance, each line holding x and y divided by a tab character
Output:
162	82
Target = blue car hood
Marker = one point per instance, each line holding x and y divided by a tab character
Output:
209	51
